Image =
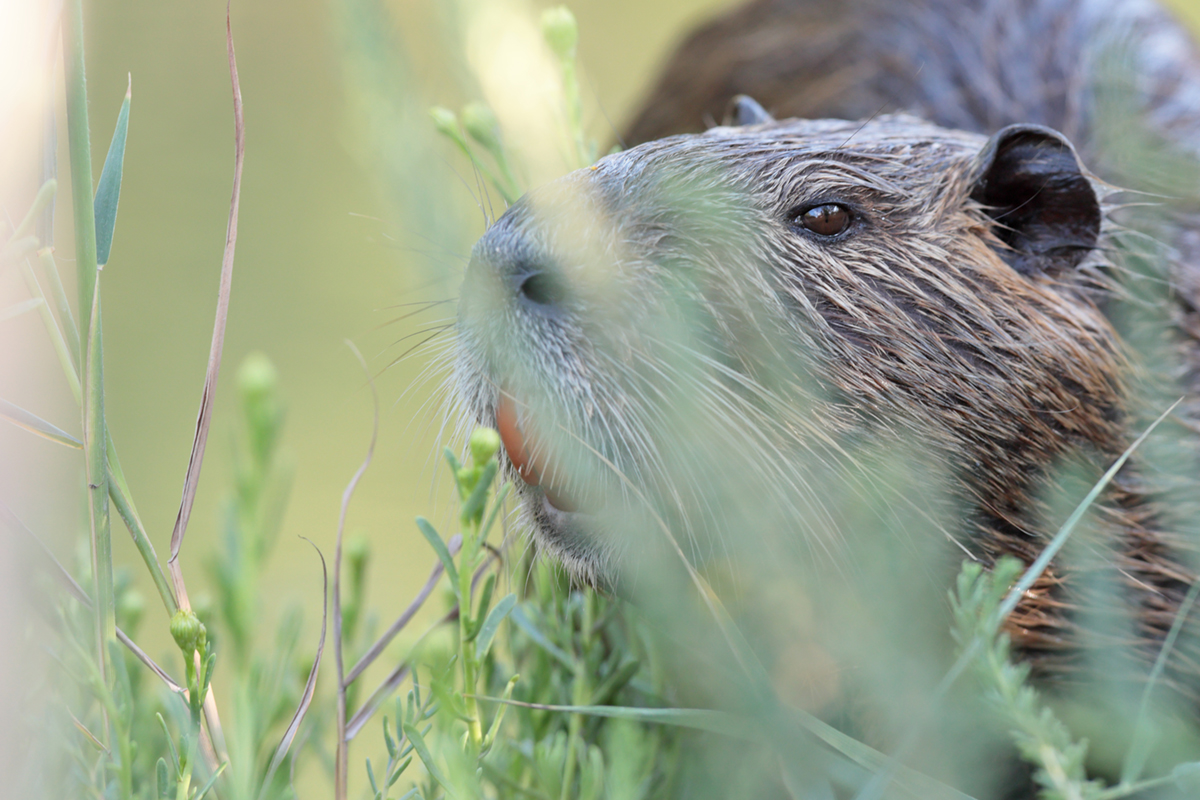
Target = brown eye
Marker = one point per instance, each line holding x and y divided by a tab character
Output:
829	219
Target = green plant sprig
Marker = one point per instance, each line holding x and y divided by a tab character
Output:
561	32
1041	738
447	124
478	619
476	628
411	713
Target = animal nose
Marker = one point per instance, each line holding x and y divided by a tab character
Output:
526	274
539	286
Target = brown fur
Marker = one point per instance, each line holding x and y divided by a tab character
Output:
978	66
917	326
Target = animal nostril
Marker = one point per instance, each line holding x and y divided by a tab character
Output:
541	288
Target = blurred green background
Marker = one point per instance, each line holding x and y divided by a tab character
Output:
331	245
351	207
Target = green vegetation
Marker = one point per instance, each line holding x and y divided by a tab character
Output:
542	691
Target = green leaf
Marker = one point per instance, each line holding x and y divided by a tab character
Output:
418	743
449	699
161	779
109	190
211	781
399	771
533	632
497	507
490	738
615	682
170	744
1187	776
389	741
485	602
439	547
591	774
371	778
492	623
452	460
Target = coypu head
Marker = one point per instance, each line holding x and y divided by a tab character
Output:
710	329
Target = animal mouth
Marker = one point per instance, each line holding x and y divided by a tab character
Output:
529	457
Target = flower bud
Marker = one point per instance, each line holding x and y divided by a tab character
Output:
188	632
484	444
257	379
467	478
445	121
560	31
482	126
358	554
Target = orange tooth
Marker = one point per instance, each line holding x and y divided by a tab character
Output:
519	446
514	441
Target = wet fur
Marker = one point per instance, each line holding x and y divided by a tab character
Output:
914	327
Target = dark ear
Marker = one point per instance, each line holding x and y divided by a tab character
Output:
1029	180
745	110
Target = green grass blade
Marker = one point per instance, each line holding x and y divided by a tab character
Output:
874	790
17	249
67	357
109	191
61	305
418	743
1140	748
162	781
23	307
204	790
742	727
525	624
490	625
1043	560
44	196
435	541
35	424
310	686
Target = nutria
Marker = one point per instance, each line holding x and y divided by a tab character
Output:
945	257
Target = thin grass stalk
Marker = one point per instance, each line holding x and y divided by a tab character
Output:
61	348
465	639
118	492
204	416
75	590
61	306
340	766
17	249
372	703
80	150
37	426
310	686
1139	748
40	202
118	488
215	749
95	455
435	574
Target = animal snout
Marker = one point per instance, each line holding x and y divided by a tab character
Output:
509	265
